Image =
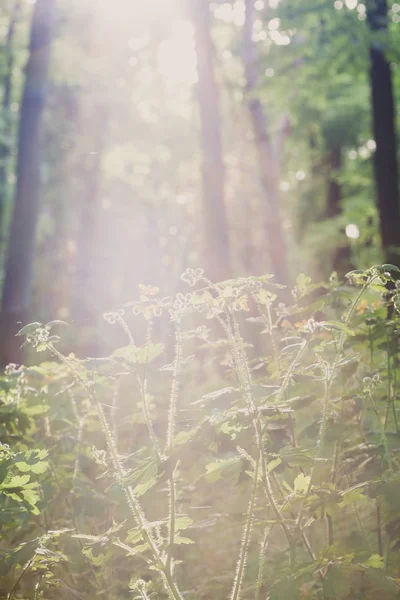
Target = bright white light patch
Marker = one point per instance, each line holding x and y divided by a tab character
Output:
351	4
176	56
273	25
352	231
338	4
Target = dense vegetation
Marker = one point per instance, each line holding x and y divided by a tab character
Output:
237	438
271	471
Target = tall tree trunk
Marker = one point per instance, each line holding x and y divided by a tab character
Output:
341	254
5	145
267	156
384	127
17	289
216	232
334	192
88	283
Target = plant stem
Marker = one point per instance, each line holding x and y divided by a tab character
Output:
133	502
235	595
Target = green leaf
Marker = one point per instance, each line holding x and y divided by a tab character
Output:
338	326
389	267
272	464
142	488
182	540
148	353
182	522
214	468
142	355
23	466
40	467
18	481
301	483
31	327
375	562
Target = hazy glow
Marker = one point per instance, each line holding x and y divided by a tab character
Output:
176	57
352	231
274	24
280	39
351	4
231	13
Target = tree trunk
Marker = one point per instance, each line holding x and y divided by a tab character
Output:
17	289
216	233
341	255
267	157
88	283
5	145
384	128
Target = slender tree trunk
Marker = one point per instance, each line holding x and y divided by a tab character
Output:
216	232
17	289
334	192
267	156
5	145
88	282
341	254
384	127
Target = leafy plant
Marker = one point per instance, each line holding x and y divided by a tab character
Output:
256	456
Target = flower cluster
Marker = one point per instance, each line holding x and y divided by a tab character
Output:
192	276
114	317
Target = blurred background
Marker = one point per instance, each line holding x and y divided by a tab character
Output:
141	138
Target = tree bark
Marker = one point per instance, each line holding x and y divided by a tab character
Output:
267	157
341	255
17	289
5	146
384	128
88	283
216	232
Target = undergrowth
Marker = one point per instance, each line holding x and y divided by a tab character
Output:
243	448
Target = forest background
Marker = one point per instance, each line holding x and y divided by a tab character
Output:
139	140
249	428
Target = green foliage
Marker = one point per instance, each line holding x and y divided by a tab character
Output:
275	471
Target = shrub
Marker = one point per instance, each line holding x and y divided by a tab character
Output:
255	456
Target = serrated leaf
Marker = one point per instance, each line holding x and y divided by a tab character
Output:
375	562
214	395
40	467
142	488
275	462
389	267
182	540
214	468
337	325
182	522
29	328
301	483
23	466
18	481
